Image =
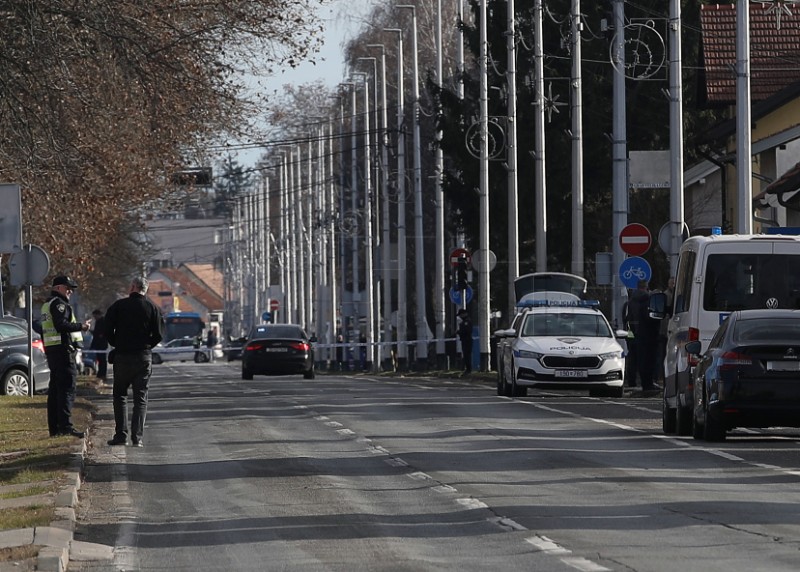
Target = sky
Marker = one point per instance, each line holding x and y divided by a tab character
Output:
342	21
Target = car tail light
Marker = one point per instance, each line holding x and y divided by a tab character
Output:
732	360
38	345
300	346
694	334
253	347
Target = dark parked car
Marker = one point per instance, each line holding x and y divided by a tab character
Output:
277	349
750	374
14	378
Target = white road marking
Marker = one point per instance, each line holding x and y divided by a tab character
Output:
584	564
471	503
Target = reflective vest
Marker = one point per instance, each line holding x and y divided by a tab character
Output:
50	336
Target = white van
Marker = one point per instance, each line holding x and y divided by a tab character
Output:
716	275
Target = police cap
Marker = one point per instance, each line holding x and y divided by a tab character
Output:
65	280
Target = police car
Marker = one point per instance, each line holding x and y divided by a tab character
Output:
561	344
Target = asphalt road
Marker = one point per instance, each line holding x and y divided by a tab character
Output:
374	474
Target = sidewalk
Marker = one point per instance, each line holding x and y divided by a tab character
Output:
50	548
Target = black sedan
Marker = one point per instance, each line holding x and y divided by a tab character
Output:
14	377
277	349
750	374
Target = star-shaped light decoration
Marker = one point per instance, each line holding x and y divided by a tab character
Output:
779	7
552	103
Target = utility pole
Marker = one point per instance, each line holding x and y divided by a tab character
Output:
511	155
385	215
676	207
419	244
744	154
402	297
438	283
484	298
577	141
619	153
540	188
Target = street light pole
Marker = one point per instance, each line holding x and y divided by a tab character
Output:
438	283
386	247
419	246
402	318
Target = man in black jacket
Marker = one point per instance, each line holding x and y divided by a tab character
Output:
133	326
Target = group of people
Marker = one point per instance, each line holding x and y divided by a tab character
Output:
647	345
132	326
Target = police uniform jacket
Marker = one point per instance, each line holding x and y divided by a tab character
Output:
60	329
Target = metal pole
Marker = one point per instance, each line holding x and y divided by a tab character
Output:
744	162
419	246
511	157
385	214
619	154
484	298
540	190
368	263
439	279
577	142
676	206
402	316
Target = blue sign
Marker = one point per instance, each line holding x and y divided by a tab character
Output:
634	269
266	317
455	295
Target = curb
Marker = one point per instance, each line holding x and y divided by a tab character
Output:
56	541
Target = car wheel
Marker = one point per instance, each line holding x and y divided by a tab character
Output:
517	390
15	382
683	420
157	359
308	374
247	374
669	422
200	357
713	430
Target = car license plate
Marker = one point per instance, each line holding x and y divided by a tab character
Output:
581	373
276	349
783	365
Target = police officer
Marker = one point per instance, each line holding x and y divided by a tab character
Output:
62	338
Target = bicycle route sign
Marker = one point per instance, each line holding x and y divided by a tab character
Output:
635	239
634	269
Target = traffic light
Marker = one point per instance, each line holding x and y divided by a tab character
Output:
461	274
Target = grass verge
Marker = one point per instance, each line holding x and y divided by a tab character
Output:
29	456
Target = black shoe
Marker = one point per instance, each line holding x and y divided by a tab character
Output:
118	441
137	443
73	433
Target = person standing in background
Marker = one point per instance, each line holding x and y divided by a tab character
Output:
62	337
211	342
133	326
465	335
99	344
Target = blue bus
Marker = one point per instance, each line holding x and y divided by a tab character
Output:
182	325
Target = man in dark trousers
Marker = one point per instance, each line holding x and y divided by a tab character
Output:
99	344
465	335
645	334
62	338
133	326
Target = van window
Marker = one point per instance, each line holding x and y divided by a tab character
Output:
750	281
684	281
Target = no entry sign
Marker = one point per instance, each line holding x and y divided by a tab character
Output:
635	239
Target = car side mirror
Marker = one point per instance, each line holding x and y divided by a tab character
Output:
657	306
694	348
